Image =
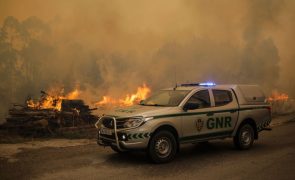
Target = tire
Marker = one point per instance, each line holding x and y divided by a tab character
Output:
244	137
162	147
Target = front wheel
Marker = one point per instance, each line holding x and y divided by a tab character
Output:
162	147
245	137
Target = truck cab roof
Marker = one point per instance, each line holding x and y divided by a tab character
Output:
247	94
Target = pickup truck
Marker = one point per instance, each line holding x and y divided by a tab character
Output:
188	113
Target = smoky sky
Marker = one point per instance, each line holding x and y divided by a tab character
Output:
111	47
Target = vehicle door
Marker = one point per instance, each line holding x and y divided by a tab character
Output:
224	112
195	115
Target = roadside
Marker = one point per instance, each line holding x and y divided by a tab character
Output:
9	151
10	148
271	157
282	119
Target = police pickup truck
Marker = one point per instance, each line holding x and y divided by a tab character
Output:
188	113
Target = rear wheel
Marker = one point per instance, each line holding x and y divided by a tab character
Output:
162	147
245	137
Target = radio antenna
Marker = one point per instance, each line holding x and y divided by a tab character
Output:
175	81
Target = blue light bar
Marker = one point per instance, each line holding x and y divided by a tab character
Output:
199	84
207	84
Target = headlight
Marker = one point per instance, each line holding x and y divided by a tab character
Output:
136	122
133	122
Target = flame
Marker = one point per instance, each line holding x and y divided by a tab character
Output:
129	100
276	96
106	100
73	95
52	99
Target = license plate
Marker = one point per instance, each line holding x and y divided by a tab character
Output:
106	131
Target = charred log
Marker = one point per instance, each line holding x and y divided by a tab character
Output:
73	114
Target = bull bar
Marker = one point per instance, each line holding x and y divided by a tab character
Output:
115	131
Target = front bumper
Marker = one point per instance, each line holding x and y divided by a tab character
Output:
123	139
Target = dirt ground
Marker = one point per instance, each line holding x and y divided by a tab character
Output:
272	157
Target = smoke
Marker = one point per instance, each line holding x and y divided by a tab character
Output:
111	47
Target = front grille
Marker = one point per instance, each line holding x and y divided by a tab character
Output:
107	122
120	123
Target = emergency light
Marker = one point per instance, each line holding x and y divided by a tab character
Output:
207	84
199	84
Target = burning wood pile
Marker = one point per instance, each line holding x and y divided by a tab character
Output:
49	114
54	111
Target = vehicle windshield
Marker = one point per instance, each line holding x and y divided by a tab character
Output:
168	98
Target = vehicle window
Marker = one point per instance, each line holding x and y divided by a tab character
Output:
222	97
165	98
201	98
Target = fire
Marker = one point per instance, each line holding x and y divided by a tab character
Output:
276	96
73	95
129	100
106	100
52	99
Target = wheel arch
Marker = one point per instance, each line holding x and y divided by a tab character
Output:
252	123
169	128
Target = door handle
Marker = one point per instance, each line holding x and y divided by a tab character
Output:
210	114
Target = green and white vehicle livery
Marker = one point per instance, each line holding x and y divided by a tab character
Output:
188	113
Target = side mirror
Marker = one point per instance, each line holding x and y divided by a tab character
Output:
190	106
